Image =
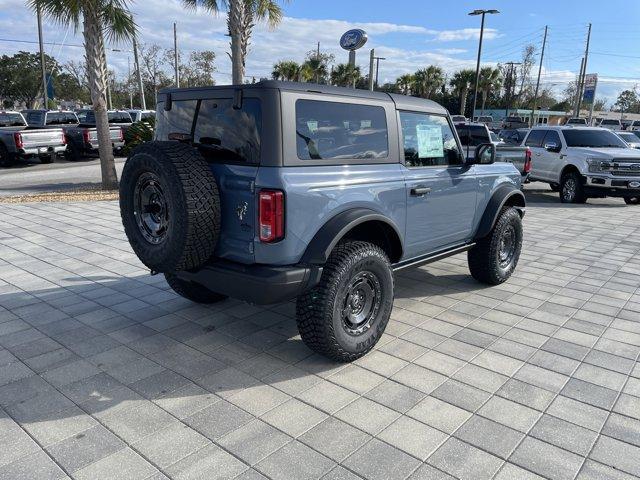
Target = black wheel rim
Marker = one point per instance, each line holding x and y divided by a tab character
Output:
361	303
150	208
569	189
507	250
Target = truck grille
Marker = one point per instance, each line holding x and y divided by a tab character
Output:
624	167
624	173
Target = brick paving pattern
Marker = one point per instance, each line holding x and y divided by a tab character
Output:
106	374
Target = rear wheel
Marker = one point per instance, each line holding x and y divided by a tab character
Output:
6	159
192	291
494	258
572	188
632	200
345	315
73	153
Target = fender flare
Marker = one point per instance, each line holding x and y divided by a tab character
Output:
503	195
333	230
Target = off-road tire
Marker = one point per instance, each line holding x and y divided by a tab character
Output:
192	200
192	291
318	311
484	257
578	196
632	200
554	187
6	159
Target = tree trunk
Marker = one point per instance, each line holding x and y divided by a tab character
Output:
96	71
236	21
484	100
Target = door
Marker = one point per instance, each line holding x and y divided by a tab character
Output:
551	159
441	191
539	159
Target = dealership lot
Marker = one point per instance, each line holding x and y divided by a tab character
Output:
105	373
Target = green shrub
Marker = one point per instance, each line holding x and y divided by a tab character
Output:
137	133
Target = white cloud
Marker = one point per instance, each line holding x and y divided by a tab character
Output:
464	34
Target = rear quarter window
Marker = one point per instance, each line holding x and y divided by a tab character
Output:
334	130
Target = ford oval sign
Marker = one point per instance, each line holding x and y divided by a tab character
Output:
353	39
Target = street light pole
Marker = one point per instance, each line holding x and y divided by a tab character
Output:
143	102
45	94
378	67
475	90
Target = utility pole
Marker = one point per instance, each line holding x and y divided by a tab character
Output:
45	94
319	63
512	66
143	102
475	90
584	72
129	82
372	57
576	111
535	95
378	68
175	54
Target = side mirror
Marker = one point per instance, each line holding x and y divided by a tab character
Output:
552	147
485	154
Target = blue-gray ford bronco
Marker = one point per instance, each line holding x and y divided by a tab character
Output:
278	191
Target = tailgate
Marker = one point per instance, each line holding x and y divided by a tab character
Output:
42	138
115	133
515	155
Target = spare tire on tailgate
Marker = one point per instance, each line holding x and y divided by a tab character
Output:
170	206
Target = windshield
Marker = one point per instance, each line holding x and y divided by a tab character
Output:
61	118
119	117
610	122
629	137
12	120
494	137
592	139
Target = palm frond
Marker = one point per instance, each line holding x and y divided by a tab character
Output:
117	20
212	6
266	10
61	12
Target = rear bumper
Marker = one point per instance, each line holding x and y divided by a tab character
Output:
41	151
259	284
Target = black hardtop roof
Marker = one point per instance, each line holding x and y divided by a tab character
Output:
401	101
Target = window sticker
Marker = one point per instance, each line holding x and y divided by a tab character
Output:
430	144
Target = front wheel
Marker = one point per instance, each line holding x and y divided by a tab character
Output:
192	291
494	258
632	200
344	316
572	188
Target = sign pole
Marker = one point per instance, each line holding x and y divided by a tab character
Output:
371	60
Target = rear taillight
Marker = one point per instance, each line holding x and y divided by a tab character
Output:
64	139
85	135
527	161
121	135
271	221
17	137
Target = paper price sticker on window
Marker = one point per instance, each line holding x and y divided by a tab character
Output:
430	143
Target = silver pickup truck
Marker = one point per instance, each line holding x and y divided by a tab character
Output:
474	134
82	138
18	142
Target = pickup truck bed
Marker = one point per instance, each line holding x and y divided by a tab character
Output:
19	142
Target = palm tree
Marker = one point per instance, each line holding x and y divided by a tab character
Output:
427	81
461	82
98	18
287	70
490	80
314	70
345	75
404	83
241	18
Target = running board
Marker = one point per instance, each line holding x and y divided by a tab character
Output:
432	257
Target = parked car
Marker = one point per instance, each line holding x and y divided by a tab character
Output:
583	162
49	118
514	136
635	126
271	191
510	123
18	143
120	118
137	115
610	124
630	138
577	121
475	134
82	141
458	119
486	119
626	124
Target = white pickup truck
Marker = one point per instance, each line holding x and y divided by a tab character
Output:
17	142
583	162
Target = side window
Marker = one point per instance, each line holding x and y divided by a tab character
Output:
428	140
552	137
178	120
34	117
535	138
224	133
332	130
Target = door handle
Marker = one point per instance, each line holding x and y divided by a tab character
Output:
419	191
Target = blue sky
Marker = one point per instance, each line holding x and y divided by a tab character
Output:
410	33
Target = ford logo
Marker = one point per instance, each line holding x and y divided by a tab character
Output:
634	184
635	166
353	39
